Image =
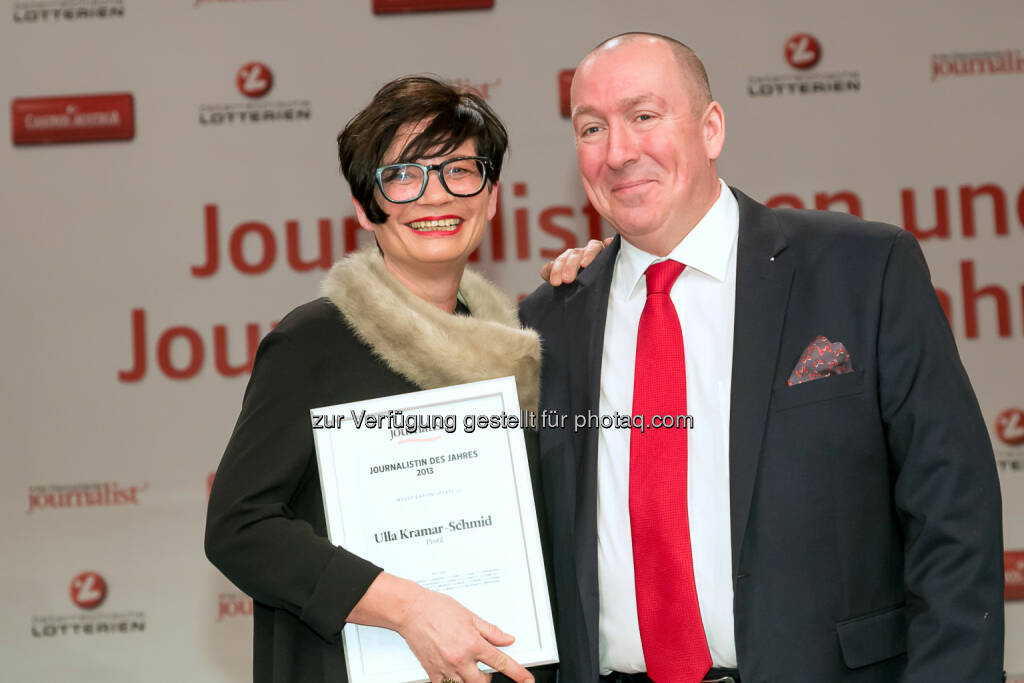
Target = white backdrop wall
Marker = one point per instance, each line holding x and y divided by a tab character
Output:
125	346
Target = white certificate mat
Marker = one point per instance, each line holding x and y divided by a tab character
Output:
449	507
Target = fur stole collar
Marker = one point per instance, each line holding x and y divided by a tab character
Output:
429	347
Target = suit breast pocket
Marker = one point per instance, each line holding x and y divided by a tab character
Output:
836	386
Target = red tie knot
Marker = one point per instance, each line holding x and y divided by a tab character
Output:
661	276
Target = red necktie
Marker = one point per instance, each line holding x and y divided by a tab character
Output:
671	629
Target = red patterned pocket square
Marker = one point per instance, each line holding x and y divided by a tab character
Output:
821	359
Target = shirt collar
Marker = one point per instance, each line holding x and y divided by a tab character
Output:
706	248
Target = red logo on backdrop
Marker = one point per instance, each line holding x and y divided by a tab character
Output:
978	63
233	605
393	6
802	51
88	590
254	79
63	496
72	118
1010	427
215	2
564	84
1013	565
483	88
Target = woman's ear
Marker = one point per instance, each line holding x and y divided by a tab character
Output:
492	202
364	222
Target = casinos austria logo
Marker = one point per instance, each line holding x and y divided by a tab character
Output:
72	118
564	84
254	81
803	52
66	11
88	591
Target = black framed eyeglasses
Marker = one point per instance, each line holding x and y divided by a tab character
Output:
406	182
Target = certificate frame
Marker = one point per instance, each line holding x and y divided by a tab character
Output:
379	483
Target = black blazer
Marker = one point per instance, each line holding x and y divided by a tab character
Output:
865	508
265	527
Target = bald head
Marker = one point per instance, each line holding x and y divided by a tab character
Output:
647	137
691	68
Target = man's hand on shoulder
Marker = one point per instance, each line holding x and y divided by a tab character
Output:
568	264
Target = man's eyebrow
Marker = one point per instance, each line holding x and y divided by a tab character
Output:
642	98
583	110
627	104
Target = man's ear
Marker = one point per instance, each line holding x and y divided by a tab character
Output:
713	128
364	222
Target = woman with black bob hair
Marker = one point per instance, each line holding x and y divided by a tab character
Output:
423	161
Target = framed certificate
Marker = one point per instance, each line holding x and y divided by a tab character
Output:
434	486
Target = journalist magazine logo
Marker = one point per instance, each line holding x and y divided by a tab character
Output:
803	53
253	82
233	606
980	63
87	591
66	11
1008	443
482	88
72	118
402	6
87	495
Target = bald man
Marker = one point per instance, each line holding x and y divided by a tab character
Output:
832	512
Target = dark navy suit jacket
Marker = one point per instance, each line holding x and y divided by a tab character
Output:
865	507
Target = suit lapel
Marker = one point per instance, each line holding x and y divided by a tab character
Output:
762	292
586	313
586	310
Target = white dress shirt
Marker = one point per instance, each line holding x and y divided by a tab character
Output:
704	297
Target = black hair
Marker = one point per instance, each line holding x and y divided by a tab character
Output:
453	116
